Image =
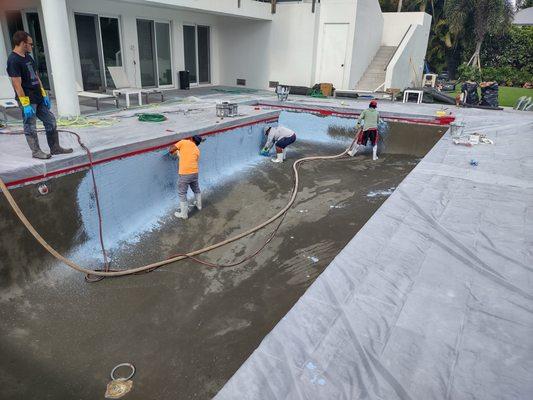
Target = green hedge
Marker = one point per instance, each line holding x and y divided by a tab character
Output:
505	76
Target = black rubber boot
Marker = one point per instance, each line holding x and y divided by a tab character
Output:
36	152
53	143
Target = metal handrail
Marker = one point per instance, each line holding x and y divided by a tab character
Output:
397	47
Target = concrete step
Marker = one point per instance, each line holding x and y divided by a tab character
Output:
373	77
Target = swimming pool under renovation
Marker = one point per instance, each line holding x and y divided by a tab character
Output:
186	327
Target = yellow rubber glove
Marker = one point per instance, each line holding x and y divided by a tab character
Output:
24	101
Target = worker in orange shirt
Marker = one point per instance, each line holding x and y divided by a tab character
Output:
189	155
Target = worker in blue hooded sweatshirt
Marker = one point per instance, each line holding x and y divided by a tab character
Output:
31	97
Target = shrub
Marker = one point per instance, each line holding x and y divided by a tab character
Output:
505	76
468	73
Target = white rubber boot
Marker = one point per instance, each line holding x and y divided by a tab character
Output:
284	152
198	200
278	159
352	152
184	210
375	153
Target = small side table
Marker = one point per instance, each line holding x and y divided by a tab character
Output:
419	93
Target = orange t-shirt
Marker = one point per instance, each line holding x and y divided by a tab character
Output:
189	156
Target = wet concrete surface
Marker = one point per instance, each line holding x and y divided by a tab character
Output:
186	327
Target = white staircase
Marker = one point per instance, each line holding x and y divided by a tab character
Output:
374	76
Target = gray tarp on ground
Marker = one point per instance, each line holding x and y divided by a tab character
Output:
432	299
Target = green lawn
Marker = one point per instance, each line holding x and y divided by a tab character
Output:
507	95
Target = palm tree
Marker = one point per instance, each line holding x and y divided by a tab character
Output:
478	18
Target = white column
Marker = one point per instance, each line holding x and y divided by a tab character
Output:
3	52
56	24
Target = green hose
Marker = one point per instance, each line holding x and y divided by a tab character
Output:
146	117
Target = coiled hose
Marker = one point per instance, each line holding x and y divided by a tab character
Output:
97	274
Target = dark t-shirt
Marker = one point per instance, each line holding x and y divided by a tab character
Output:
24	68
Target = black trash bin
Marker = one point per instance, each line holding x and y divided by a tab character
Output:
184	80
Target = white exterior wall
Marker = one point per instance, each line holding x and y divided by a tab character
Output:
248	8
244	52
293	40
128	14
282	50
396	24
407	66
337	12
367	38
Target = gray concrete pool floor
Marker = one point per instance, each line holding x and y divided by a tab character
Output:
187	327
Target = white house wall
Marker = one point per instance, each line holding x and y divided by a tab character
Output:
367	38
128	14
248	8
244	52
337	12
407	66
293	39
396	24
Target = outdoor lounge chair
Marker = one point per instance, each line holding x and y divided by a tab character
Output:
7	95
123	86
95	96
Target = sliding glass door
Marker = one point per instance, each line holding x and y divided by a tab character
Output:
99	47
155	54
29	21
197	50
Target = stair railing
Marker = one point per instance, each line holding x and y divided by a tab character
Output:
397	47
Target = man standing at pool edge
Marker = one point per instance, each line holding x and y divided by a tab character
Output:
32	98
189	156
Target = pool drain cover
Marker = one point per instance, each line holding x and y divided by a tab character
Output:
117	389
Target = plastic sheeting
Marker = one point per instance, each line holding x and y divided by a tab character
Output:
432	299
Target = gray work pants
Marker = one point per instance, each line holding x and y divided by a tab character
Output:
45	115
184	181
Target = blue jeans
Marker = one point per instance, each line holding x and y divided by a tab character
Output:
45	115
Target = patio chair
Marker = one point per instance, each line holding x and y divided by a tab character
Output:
123	86
7	95
95	96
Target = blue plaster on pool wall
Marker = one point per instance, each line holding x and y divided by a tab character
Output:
314	128
136	192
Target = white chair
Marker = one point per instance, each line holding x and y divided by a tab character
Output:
7	95
123	86
419	93
95	96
